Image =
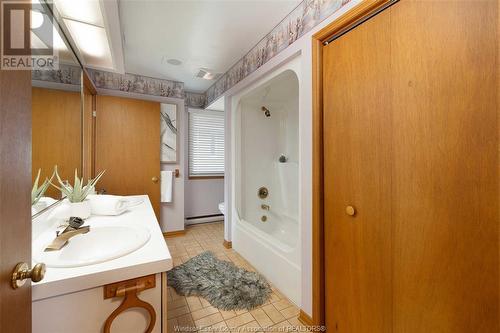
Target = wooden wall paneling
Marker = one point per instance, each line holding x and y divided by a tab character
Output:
57	133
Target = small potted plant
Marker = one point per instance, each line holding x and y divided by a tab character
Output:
77	194
37	192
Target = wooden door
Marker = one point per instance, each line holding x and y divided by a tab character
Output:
15	200
411	141
445	166
357	137
127	146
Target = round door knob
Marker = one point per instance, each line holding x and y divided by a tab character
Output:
22	272
154	180
350	210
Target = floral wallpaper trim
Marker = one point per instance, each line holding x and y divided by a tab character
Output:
195	100
137	84
301	20
66	74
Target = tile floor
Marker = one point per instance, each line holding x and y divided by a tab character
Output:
189	314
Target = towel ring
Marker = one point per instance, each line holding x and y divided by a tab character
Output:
131	301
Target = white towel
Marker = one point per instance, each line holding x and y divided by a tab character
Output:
166	186
104	204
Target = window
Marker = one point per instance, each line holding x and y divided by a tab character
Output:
206	143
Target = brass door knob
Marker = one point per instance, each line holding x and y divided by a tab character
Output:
154	180
350	210
22	272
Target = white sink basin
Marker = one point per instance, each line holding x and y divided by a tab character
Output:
100	244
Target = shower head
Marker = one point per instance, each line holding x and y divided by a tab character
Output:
266	111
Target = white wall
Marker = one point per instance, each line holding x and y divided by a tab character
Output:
172	214
203	196
303	47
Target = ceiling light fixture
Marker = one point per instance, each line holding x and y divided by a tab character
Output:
92	39
88	11
85	22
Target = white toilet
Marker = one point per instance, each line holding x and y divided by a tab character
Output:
222	208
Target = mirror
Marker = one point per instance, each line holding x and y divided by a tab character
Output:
57	118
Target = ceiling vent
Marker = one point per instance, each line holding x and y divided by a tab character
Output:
206	74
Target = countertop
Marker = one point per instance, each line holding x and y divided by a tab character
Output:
154	257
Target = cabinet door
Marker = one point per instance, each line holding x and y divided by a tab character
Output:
357	172
445	184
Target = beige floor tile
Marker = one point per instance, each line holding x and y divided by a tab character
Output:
171	324
297	323
194	303
177	303
218	327
209	320
250	327
198	314
282	304
239	312
261	317
227	314
185	320
290	312
274	298
173	313
204	302
240	320
273	313
283	326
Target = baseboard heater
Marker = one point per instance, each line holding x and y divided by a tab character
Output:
204	219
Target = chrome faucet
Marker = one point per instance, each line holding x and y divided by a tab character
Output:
265	207
74	228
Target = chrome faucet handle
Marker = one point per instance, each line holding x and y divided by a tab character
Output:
265	207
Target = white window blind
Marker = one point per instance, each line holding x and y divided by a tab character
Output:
206	143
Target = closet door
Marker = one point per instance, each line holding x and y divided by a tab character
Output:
445	184
411	141
357	173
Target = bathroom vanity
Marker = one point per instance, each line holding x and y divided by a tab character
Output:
120	262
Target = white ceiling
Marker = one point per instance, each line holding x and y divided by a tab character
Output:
211	34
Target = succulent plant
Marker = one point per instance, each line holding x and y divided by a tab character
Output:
37	192
78	192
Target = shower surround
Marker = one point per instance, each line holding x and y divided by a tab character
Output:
266	168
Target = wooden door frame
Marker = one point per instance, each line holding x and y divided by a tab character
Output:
344	23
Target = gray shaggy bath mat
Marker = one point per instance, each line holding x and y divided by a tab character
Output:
221	283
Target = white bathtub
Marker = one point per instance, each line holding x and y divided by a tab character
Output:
275	259
268	238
